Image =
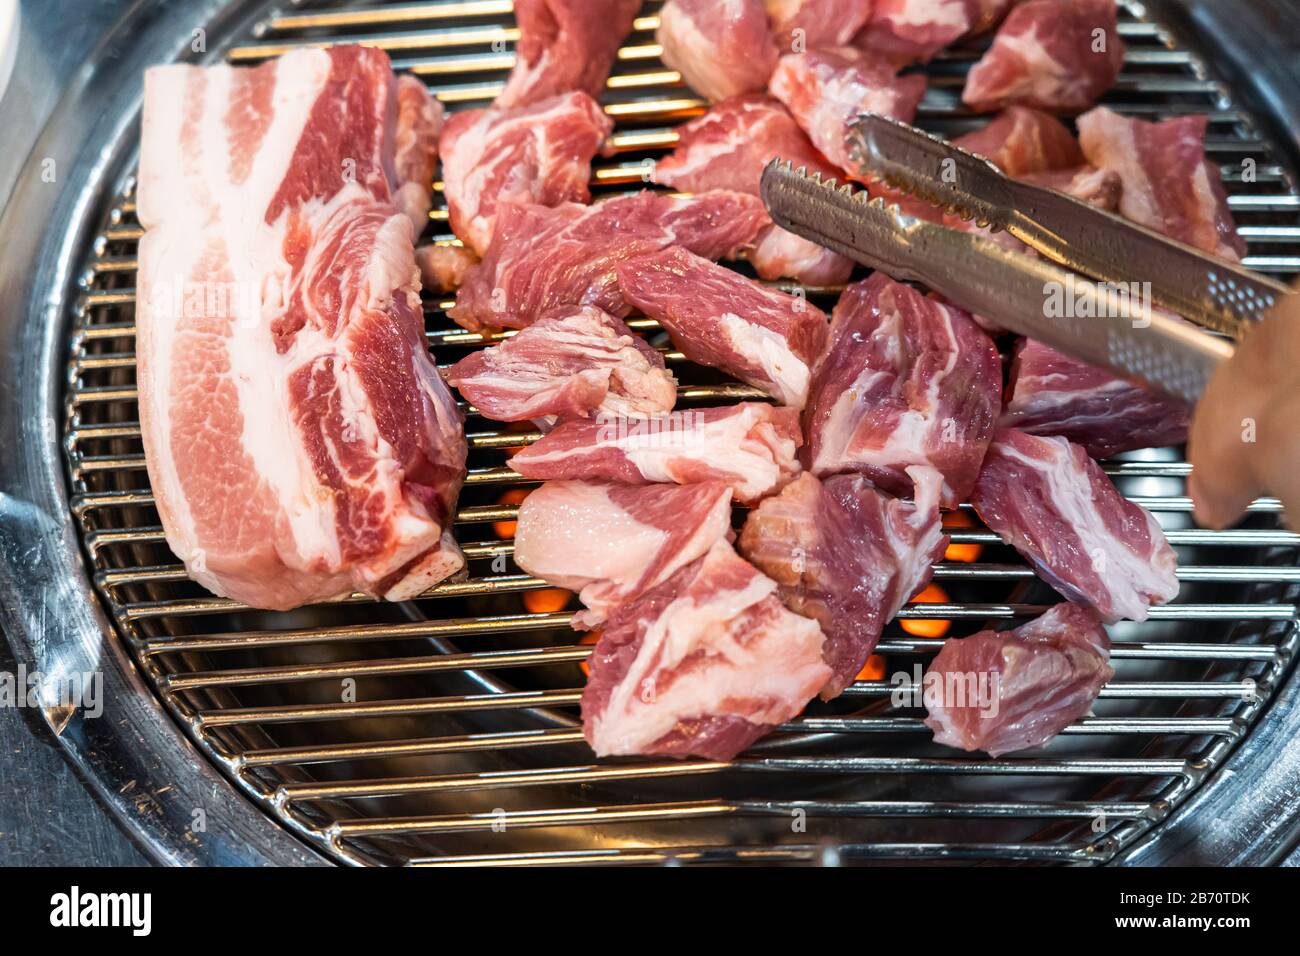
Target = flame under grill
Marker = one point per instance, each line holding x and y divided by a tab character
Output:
445	730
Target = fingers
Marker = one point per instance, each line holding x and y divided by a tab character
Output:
1245	437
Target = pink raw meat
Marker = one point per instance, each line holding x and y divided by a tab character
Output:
1021	140
565	45
704	664
750	446
719	318
1001	691
611	542
415	150
545	258
570	365
1046	498
1053	394
300	442
847	556
1169	185
905	380
540	153
824	89
443	267
727	148
721	48
1059	55
1100	187
801	25
913	31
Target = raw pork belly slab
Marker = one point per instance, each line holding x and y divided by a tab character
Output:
1049	54
804	24
847	556
611	542
913	31
824	89
541	258
721	48
298	437
565	45
704	664
1169	185
1020	140
1053	394
905	381
719	318
727	148
567	366
1000	691
1046	498
539	153
750	446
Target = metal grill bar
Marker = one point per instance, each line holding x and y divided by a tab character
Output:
484	703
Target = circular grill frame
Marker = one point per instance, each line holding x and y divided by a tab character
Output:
87	635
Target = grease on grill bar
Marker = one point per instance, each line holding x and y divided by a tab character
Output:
444	731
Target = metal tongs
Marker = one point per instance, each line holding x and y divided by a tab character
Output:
1093	257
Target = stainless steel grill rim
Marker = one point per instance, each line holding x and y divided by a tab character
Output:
443	783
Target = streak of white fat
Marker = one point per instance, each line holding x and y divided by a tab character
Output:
926	14
724	443
1114	145
565	532
1125	574
1208	206
684	627
785	370
1043	75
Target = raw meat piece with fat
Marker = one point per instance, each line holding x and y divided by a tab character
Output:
545	258
727	148
611	542
299	440
721	48
802	25
1050	393
540	153
913	31
443	267
1020	140
719	318
1058	55
1046	498
848	556
415	150
824	89
1001	691
905	380
565	45
1169	185
750	446
704	664
572	365
1100	187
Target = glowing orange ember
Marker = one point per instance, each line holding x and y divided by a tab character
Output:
918	627
547	600
591	637
965	553
514	496
873	669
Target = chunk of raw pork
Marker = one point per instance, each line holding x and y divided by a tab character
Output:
1051	393
905	380
824	89
611	542
573	365
1046	498
719	318
1169	185
540	153
443	267
565	45
750	446
1000	691
1100	187
801	25
721	48
1059	55
848	556
300	442
913	31
1020	140
704	664
543	258
415	151
727	148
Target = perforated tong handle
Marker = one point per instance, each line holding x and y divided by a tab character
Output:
1214	293
985	278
